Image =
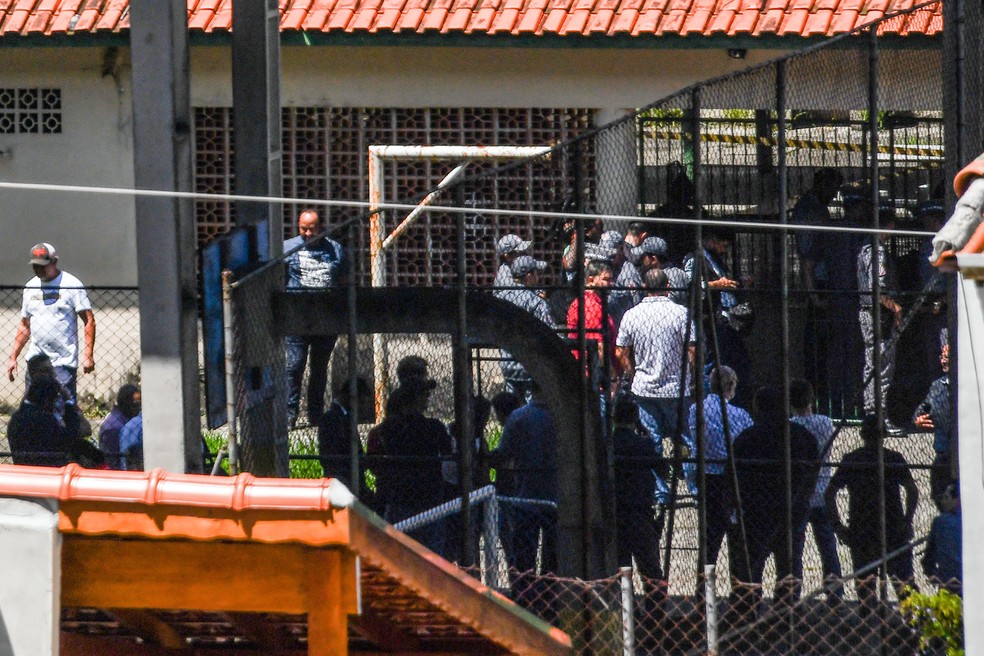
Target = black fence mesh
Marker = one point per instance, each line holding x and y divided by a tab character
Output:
714	248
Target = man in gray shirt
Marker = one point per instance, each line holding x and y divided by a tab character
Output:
525	272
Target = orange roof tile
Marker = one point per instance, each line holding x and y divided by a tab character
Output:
760	18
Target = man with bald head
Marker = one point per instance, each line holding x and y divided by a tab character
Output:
314	261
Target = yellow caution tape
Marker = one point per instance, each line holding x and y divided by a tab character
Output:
800	143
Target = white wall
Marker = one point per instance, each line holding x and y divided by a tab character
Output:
95	234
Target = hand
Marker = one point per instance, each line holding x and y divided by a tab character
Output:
11	369
722	283
88	364
925	421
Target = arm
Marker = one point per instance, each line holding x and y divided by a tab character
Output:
624	356
20	341
89	322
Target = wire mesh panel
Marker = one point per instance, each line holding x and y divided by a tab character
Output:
736	278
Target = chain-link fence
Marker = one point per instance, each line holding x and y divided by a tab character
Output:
597	364
116	353
749	250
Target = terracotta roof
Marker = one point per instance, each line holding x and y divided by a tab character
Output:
755	18
244	562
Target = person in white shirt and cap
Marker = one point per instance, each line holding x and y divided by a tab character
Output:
54	300
508	248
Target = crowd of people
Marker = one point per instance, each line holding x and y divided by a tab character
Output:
637	315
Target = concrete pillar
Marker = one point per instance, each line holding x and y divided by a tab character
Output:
970	324
256	101
30	597
166	245
617	164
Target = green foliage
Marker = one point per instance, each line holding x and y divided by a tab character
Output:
936	617
215	441
736	114
305	467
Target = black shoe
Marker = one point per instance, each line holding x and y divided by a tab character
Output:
891	430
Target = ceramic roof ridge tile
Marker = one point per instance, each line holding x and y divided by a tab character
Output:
706	17
159	487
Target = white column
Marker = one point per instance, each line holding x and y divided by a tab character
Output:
970	327
30	597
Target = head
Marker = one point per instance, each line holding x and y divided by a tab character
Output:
767	406
526	270
613	242
44	260
411	366
886	220
651	253
945	358
598	274
43	392
826	181
128	400
504	404
308	224
637	233
872	430
593	230
949	500
511	246
800	396
716	240
364	398
657	282
39	366
625	413
724	382
932	215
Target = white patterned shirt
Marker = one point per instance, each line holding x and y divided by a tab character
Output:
656	330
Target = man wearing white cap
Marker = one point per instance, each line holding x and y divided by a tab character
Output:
508	248
52	301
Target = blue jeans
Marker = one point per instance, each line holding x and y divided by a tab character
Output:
661	418
320	348
823	532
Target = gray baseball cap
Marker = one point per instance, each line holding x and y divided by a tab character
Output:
611	239
512	244
651	246
525	264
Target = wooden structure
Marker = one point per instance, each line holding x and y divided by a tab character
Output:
156	562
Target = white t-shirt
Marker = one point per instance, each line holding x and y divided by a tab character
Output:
656	330
53	308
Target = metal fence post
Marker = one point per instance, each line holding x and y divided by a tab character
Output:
491	572
710	604
230	378
628	624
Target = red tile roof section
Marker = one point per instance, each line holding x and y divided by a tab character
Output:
559	17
